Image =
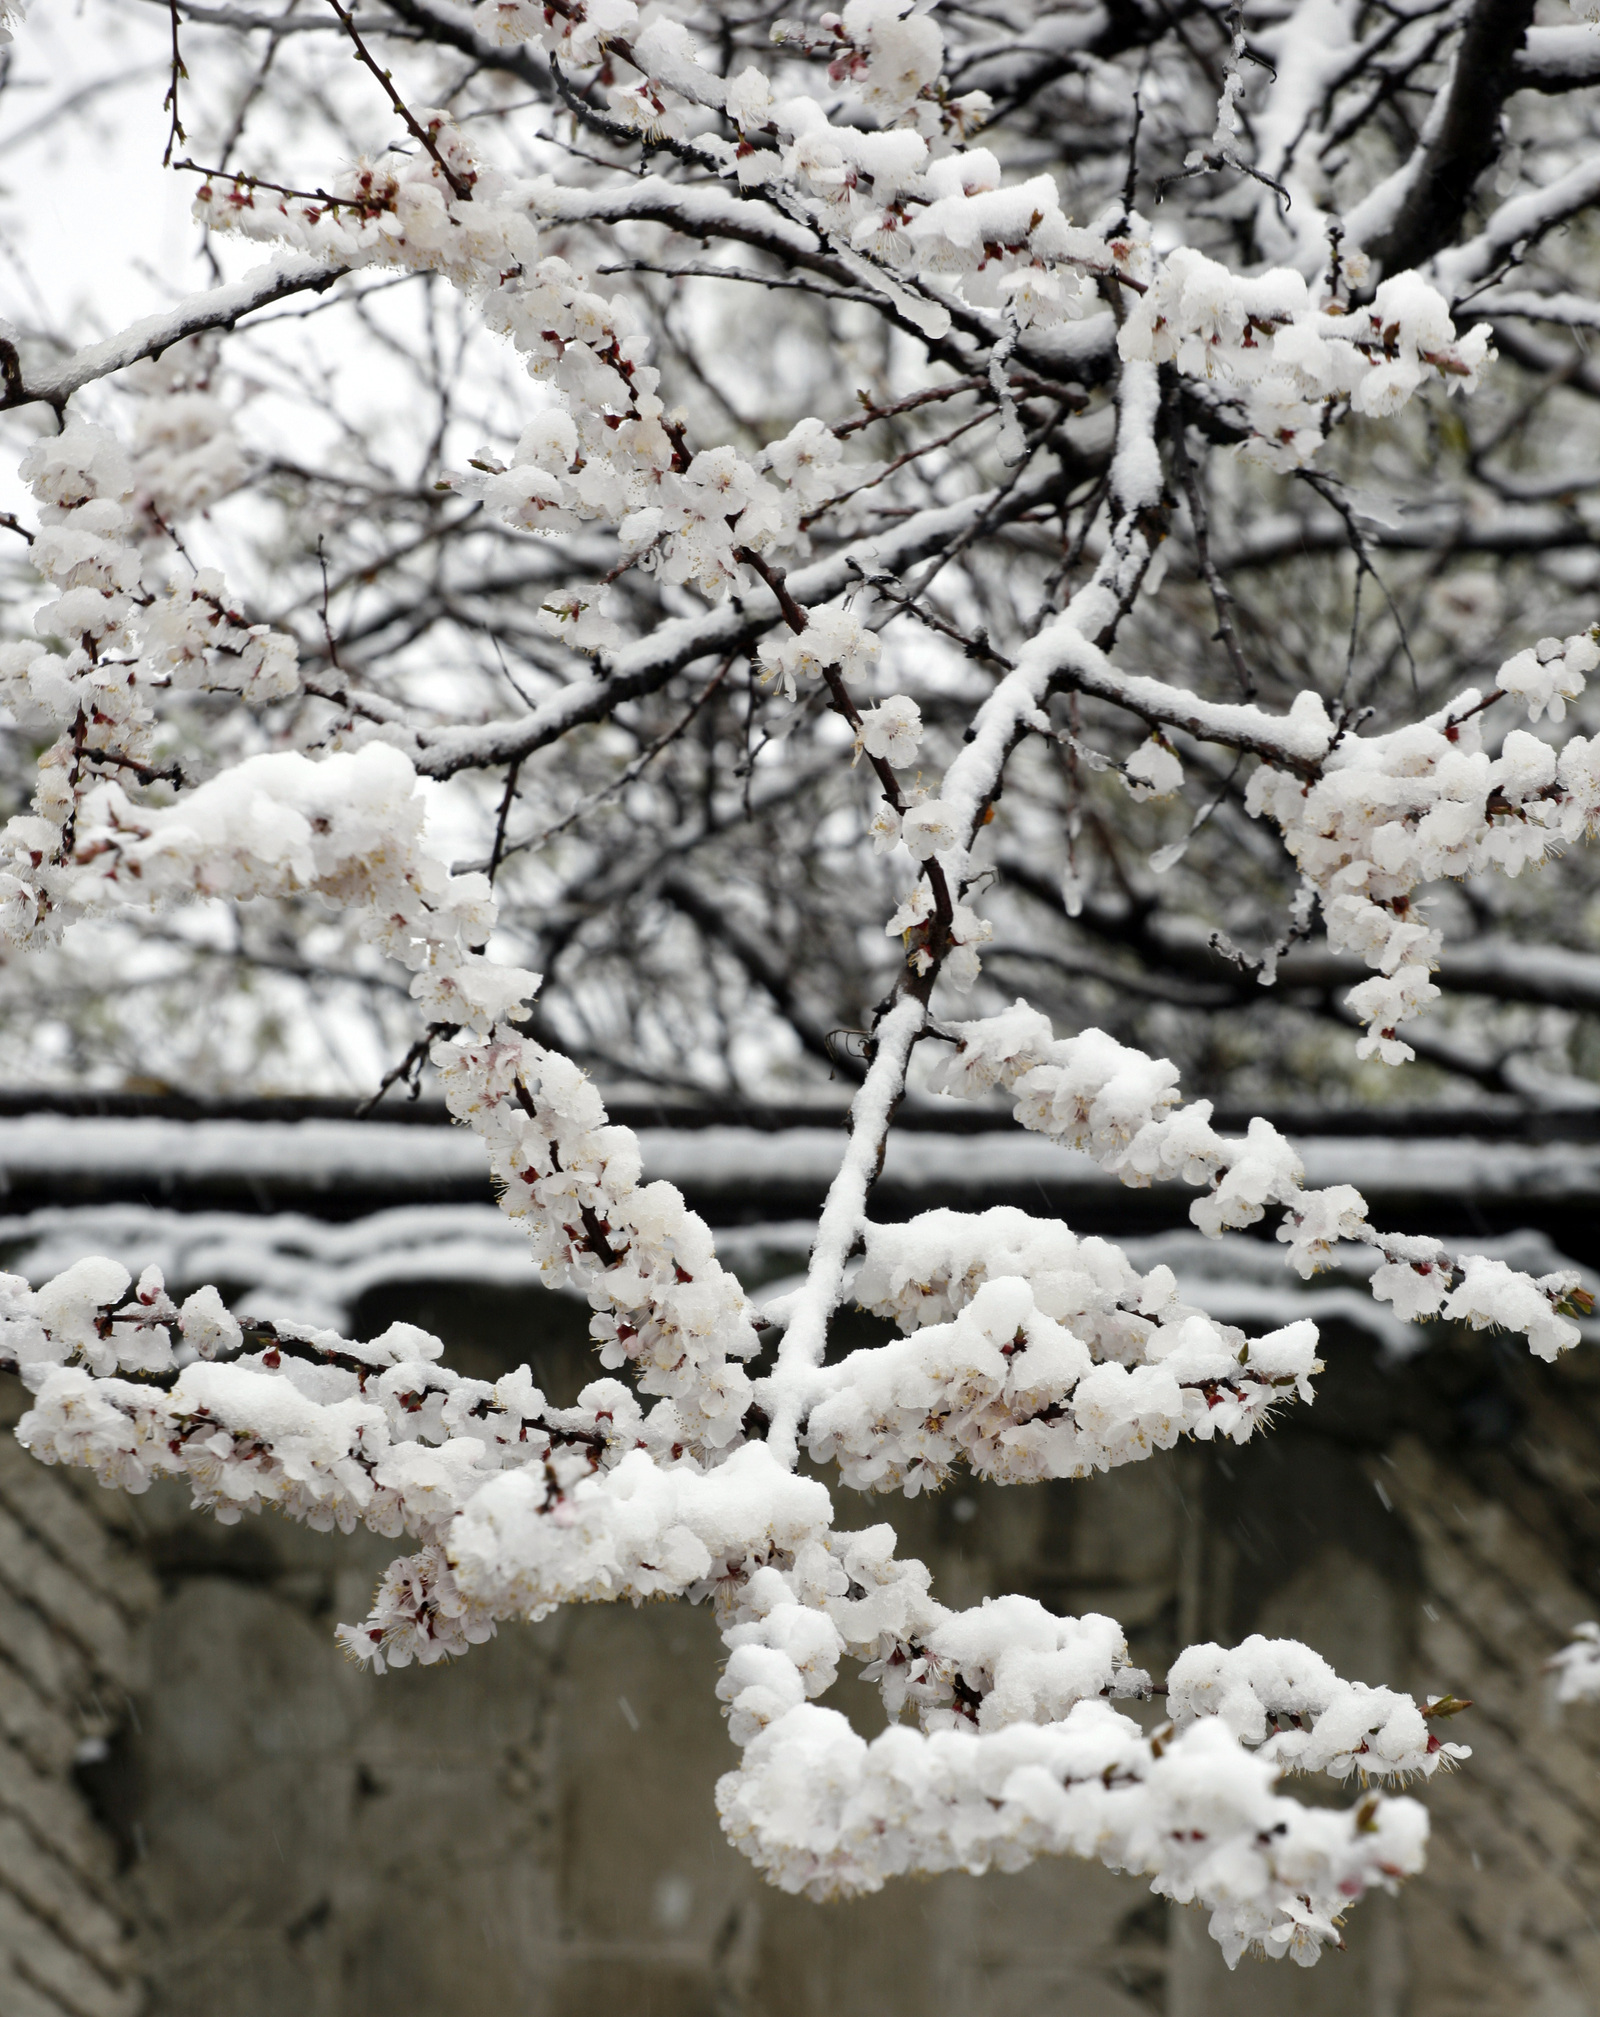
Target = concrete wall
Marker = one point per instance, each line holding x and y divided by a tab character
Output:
75	1597
270	1833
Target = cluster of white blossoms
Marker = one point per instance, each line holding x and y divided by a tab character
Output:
607	452
926	829
896	194
1553	672
1121	1106
1284	1699
1020	1754
915	217
186	450
1031	1355
663	1302
346	827
891	731
518	1506
1036	1355
834	638
824	1811
1387	813
1289	360
107	642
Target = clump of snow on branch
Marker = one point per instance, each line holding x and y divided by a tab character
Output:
824	1811
1288	1703
1153	771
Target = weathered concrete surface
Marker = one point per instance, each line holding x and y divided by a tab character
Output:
532	1830
73	1596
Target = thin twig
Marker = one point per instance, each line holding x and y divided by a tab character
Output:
693	272
1327	489
409	1069
175	132
498	851
1221	594
1130	182
871	414
636	768
976	646
327	626
461	186
363	206
900	461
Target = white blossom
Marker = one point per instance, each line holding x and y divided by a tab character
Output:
892	730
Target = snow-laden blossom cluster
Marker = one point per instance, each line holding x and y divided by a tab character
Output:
663	1302
349	828
106	643
1121	1106
607	451
521	1506
1553	672
518	1506
1288	1702
1020	1754
187	452
1050	1358
821	1809
945	219
1031	1355
1292	362
346	828
1388	813
339	1433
